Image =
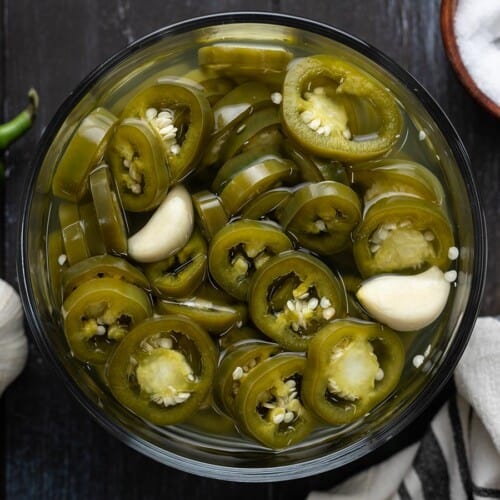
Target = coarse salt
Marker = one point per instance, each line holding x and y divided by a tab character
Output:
477	30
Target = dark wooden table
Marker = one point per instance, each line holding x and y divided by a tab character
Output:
50	448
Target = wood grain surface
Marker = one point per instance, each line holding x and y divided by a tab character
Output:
50	448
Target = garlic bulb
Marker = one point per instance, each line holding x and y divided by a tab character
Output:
13	341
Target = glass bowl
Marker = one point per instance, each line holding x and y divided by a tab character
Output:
234	458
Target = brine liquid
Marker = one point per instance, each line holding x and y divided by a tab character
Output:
420	142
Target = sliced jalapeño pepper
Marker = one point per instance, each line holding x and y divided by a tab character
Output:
315	169
109	211
73	233
135	156
315	107
163	370
241	248
322	215
390	177
215	87
211	308
234	369
257	62
92	230
229	111
101	266
255	180
240	103
68	214
351	367
100	313
269	137
257	123
269	405
84	151
238	163
272	201
210	213
402	233
180	274
181	116
292	296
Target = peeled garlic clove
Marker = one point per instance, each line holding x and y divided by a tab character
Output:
13	341
405	303
168	230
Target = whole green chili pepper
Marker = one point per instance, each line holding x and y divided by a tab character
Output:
15	128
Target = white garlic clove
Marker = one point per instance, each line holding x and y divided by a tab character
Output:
405	303
13	341
168	230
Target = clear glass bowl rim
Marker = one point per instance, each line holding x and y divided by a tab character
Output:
431	389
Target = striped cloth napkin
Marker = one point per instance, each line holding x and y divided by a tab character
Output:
459	456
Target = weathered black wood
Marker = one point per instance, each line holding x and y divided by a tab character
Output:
2	87
2	209
50	448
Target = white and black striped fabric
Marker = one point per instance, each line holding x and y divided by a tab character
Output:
459	455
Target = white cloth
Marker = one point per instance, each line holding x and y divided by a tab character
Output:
459	456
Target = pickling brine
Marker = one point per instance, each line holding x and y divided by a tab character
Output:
249	241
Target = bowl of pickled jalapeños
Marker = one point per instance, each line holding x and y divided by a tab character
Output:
233	261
